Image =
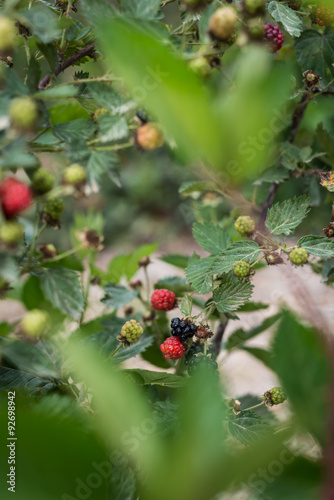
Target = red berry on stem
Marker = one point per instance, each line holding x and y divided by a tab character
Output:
163	300
173	348
273	36
15	197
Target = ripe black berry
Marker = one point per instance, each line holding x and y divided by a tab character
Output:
182	329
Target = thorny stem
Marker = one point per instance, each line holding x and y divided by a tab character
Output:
86	51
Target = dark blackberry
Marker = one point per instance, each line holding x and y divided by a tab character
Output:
182	328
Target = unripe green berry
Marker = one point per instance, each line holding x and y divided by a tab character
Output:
42	181
200	66
298	256
131	331
23	113
255	28
74	174
254	6
242	269
54	208
223	23
35	323
275	396
11	233
245	225
8	35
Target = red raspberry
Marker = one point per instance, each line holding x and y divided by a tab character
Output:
324	16
15	196
163	300
273	36
173	348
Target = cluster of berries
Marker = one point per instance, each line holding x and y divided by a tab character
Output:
16	196
174	346
324	16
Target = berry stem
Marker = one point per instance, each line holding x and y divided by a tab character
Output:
116	350
255	406
148	285
115	147
65	254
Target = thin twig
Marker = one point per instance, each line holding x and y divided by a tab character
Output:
86	51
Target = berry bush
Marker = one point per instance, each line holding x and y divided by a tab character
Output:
116	376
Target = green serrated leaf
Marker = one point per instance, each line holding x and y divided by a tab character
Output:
42	23
247	427
63	289
176	284
320	246
284	217
315	51
211	237
326	142
61	92
239	250
11	378
117	296
232	293
274	174
199	274
112	128
176	259
74	131
289	156
283	14
240	336
186	305
301	362
142	9
148	377
253	306
101	163
9	269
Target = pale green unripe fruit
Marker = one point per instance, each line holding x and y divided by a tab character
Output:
35	323
8	35
74	174
223	23
11	233
23	113
200	66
